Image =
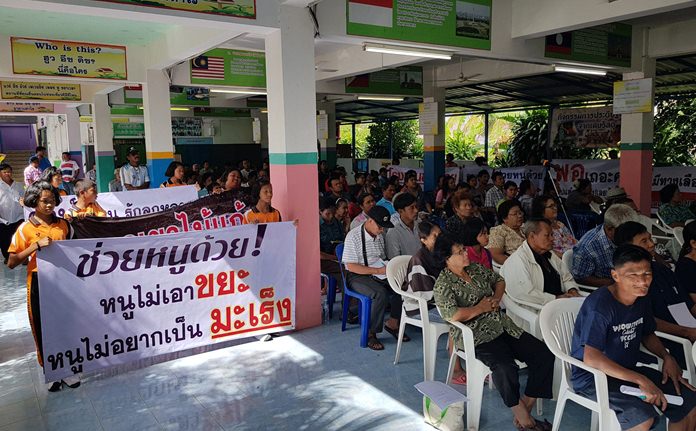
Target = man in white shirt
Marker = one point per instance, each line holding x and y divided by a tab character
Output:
11	213
364	259
134	176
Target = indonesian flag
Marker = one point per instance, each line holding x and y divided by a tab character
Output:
371	12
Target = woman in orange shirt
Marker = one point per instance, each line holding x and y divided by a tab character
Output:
175	173
38	232
262	211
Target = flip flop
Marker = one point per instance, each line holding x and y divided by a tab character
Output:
461	380
374	344
395	333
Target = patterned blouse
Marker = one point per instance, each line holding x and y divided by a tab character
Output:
563	240
452	293
671	213
505	238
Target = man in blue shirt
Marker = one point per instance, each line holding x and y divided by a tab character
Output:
388	192
44	163
664	291
611	326
592	255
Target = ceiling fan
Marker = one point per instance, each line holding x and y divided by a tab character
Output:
461	79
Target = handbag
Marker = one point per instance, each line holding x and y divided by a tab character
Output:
451	418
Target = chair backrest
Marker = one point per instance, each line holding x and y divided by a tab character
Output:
693	352
339	255
665	226
557	322
397	271
679	235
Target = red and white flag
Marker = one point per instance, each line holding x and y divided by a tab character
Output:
208	67
371	12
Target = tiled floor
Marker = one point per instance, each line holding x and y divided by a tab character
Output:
318	379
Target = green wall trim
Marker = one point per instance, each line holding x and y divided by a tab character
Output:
645	146
293	158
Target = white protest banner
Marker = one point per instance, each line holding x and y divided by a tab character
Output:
586	127
132	203
106	302
400	172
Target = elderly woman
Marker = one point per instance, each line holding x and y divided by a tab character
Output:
672	211
534	274
546	207
469	293
507	237
464	210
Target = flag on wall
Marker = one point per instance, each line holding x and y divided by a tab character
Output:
371	12
208	67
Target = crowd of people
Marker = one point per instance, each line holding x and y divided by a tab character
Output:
473	242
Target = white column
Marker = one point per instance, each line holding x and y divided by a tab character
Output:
292	137
103	141
328	143
158	125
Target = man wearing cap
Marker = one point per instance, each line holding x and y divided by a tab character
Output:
134	176
364	258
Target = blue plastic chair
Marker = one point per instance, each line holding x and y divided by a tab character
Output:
330	292
365	303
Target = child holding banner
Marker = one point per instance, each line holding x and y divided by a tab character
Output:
86	204
262	211
39	231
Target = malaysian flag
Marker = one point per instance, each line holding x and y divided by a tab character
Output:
208	67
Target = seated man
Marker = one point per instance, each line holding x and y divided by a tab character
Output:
593	253
611	325
403	237
665	290
330	235
388	192
86	204
364	258
533	273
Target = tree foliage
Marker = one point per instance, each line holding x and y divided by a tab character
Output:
405	140
675	133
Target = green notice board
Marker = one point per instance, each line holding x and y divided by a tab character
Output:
230	67
461	23
406	80
608	44
129	130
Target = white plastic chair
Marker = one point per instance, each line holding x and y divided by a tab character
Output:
396	274
690	372
657	230
568	262
594	206
476	373
495	266
664	226
557	322
524	311
693	353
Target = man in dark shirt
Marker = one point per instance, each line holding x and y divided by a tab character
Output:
665	290
330	235
612	324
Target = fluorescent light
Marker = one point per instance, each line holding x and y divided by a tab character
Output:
171	109
264	111
231	91
382	98
583	70
405	50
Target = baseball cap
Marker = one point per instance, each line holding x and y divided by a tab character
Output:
133	150
381	216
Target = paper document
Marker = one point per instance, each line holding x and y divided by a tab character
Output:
379	264
441	394
682	315
630	390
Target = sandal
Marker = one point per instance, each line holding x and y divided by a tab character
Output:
374	344
538	426
395	333
352	319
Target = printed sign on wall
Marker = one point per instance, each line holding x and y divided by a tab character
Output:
441	22
26	107
608	44
232	8
39	90
63	58
406	80
230	67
